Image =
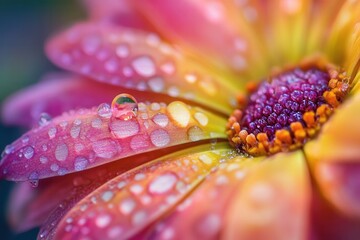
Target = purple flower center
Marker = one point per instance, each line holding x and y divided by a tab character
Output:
283	100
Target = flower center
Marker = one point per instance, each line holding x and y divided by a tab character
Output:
281	114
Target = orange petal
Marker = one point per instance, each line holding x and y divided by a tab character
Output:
132	201
267	204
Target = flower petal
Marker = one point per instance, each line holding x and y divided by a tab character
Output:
267	205
138	60
31	204
327	223
86	138
201	215
117	12
209	28
334	158
59	93
132	201
340	33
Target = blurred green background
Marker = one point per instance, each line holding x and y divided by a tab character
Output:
24	26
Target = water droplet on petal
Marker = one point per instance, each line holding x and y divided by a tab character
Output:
163	183
9	149
52	132
80	163
124	129
127	206
161	119
124	107
144	66
160	137
106	148
34	179
28	152
61	152
44	119
195	133
104	110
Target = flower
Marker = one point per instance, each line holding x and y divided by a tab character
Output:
157	163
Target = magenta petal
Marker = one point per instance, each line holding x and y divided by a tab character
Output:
86	138
59	93
132	201
118	12
31	206
141	61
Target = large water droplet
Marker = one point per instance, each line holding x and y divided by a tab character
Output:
44	119
124	107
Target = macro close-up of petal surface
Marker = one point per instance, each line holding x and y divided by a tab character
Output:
191	119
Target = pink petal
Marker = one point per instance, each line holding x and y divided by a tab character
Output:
118	12
141	61
132	201
328	223
208	28
59	93
202	214
86	138
274	200
32	203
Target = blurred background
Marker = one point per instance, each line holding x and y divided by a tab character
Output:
24	26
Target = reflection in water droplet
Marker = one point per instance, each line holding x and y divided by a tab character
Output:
124	107
44	119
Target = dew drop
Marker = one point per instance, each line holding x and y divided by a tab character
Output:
162	184
124	129
44	119
43	159
107	196
127	206
122	51
9	149
106	148
34	179
52	132
80	163
156	84
103	220
124	107
144	66
161	120
195	133
104	110
28	152
61	152
160	137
